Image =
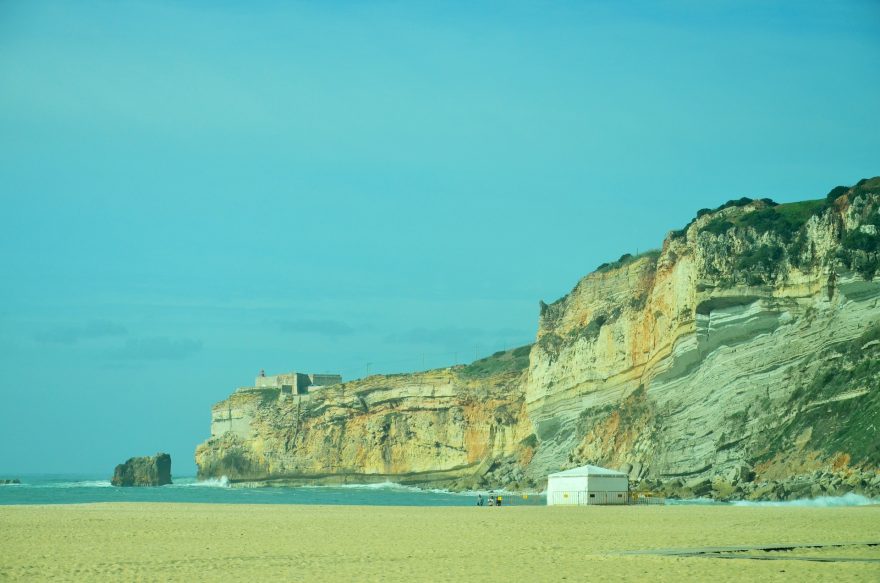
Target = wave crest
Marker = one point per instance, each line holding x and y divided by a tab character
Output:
79	484
849	499
221	482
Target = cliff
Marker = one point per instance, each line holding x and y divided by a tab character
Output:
449	427
737	359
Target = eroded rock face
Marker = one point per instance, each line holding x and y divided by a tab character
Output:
733	347
735	362
439	428
144	471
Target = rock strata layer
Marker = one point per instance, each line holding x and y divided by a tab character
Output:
740	360
144	471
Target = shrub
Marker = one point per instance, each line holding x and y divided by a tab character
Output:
836	193
785	219
868	266
628	258
530	441
764	257
738	202
703	212
860	241
767	219
870	185
717	226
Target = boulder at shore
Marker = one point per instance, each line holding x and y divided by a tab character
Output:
144	471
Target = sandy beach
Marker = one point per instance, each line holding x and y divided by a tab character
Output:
334	543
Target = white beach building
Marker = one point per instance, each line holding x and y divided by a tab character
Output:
587	485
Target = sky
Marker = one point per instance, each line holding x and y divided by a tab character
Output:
195	191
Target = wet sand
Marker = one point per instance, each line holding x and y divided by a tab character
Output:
197	542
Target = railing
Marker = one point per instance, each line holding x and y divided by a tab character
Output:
646	498
603	498
515	499
574	498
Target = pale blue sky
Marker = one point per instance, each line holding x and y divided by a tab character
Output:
193	191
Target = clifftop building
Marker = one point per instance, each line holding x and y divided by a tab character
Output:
296	383
237	419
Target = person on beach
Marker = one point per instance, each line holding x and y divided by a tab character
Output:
479	499
491	499
498	501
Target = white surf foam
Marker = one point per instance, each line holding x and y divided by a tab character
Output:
80	484
691	501
393	486
221	482
849	499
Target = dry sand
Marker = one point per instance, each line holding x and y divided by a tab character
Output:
197	542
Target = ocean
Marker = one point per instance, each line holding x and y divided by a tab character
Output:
80	489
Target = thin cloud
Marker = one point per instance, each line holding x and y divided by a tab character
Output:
158	348
435	335
459	339
321	327
72	334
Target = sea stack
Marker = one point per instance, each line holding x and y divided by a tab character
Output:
144	471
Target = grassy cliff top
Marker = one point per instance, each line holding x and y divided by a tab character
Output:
514	360
786	218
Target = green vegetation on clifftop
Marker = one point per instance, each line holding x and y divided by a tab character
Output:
628	258
514	360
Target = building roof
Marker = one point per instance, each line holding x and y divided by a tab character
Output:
589	471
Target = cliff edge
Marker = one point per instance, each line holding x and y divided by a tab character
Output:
741	360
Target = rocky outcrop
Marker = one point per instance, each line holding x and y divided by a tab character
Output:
740	359
9	481
144	471
827	482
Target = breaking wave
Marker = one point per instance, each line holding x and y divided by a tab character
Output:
692	502
849	499
391	486
79	484
395	487
221	482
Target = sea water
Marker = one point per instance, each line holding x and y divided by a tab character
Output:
81	489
